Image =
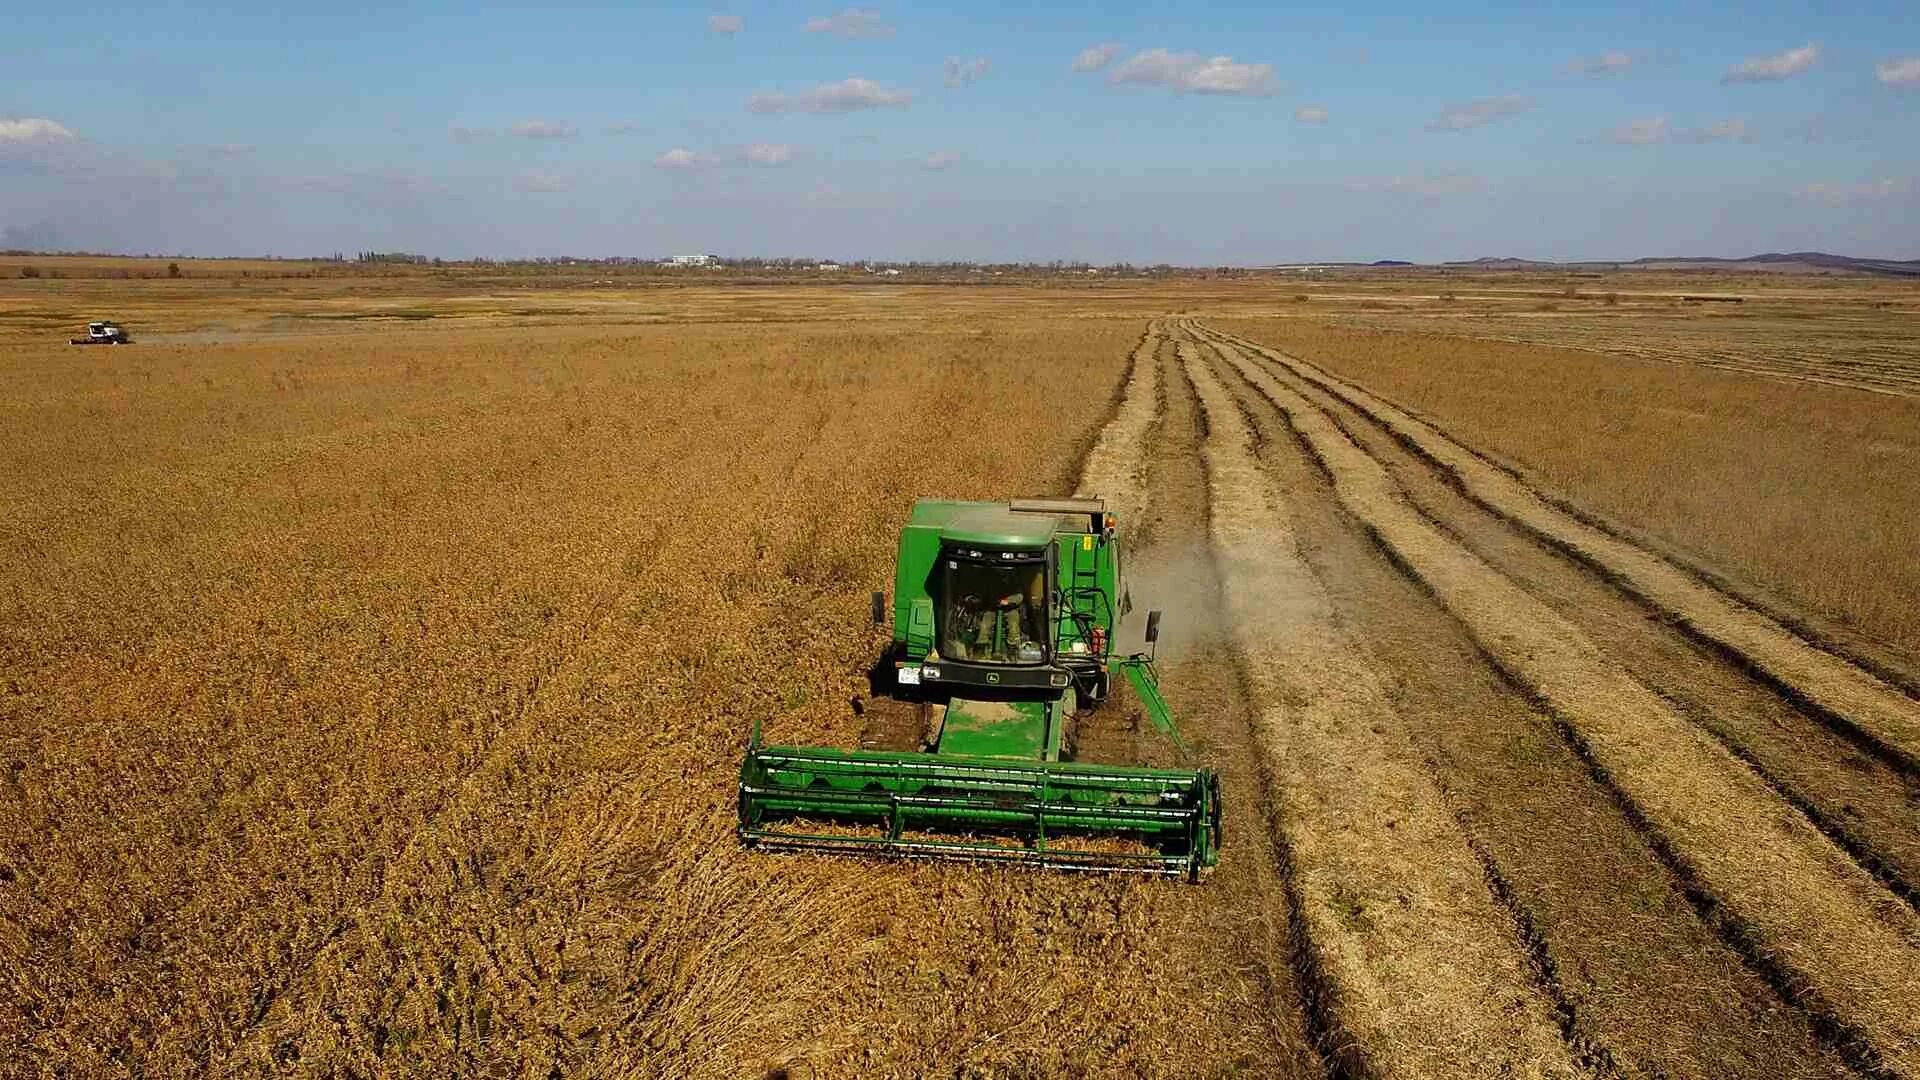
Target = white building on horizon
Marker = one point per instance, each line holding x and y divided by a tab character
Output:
690	260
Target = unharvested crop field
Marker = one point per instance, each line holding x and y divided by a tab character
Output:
376	656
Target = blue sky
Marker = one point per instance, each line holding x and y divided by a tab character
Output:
1227	133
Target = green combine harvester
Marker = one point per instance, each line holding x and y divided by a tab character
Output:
1005	620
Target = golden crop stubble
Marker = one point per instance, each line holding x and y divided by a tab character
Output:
1842	939
370	700
1424	968
1804	490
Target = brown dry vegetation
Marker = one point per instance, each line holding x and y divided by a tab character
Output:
1417	956
376	706
1822	916
376	653
1807	491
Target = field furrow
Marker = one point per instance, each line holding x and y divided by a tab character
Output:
1830	683
1248	906
1425	971
1865	800
1645	986
1847	947
1115	467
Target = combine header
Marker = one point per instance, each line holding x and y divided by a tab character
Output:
1005	620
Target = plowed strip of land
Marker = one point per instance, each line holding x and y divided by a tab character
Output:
1842	942
1425	971
1828	682
1241	921
1114	467
1644	984
1864	800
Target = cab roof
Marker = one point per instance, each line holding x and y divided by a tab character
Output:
996	524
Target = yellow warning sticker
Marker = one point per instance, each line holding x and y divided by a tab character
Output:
1086	543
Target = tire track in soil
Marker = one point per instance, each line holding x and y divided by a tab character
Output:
1251	908
1644	983
1870	807
1819	927
1423	972
1118	468
1115	468
1840	691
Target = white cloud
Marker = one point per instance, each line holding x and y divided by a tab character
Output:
539	182
1902	72
1611	62
330	183
966	72
846	95
1096	57
34	129
758	155
1734	130
1657	131
1311	114
1473	114
1187	72
373	187
681	158
851	23
1426	185
725	24
940	159
1651	131
768	154
1868	192
1773	68
525	129
542	129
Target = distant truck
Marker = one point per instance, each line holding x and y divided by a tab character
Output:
102	333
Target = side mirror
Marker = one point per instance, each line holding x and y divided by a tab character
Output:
879	609
1153	626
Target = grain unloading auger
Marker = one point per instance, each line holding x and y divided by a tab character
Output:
1005	621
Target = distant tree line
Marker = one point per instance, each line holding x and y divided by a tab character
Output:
651	264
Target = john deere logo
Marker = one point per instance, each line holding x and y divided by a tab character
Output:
993	676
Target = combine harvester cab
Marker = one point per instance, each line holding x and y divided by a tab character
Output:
1005	622
103	333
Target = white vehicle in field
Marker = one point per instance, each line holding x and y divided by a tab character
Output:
103	333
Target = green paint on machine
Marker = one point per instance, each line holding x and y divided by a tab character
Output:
1005	615
1003	729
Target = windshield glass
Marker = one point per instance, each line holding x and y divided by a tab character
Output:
994	612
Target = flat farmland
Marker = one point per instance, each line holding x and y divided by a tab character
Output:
376	656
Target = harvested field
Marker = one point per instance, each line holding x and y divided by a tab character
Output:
1858	349
1804	494
1421	968
372	688
1783	888
422	676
